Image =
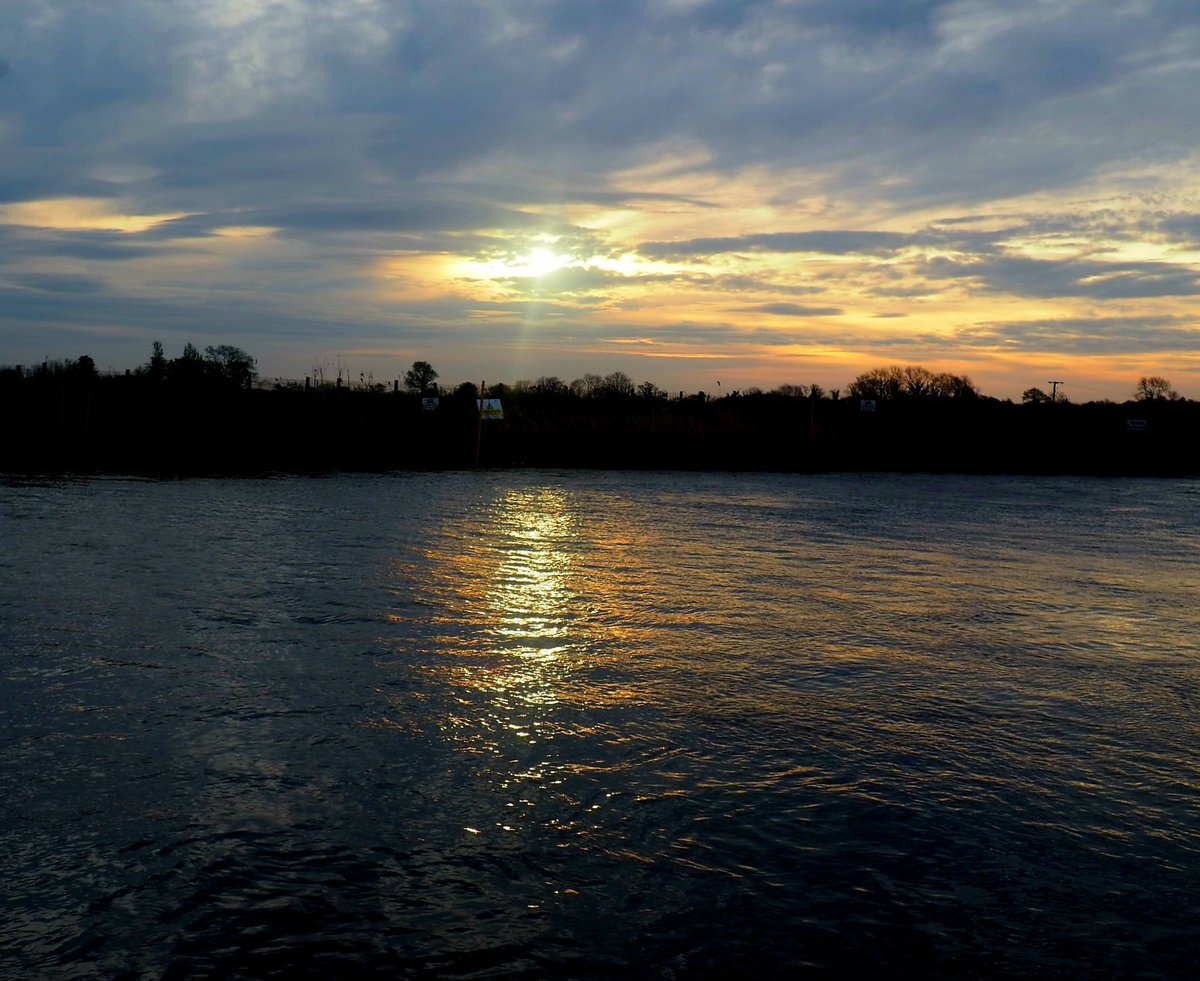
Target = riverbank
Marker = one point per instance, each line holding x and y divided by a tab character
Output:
128	425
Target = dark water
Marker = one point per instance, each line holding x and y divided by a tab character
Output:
542	725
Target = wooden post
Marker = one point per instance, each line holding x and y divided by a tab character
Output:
479	423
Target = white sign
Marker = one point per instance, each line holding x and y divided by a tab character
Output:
867	405
490	408
429	404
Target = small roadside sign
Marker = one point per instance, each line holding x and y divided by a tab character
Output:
489	409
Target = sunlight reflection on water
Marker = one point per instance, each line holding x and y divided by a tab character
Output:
578	725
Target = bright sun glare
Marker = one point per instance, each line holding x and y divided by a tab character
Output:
539	262
536	262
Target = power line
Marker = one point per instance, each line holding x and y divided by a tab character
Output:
1054	389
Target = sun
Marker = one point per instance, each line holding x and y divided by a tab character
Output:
538	262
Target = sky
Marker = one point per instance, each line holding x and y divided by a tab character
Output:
749	192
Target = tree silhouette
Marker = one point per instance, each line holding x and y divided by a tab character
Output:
589	384
911	381
188	368
550	385
791	391
618	383
158	361
420	377
1155	388
232	363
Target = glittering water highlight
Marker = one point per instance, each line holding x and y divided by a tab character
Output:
591	725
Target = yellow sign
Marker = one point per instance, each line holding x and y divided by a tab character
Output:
489	409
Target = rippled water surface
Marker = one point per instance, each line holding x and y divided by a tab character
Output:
570	725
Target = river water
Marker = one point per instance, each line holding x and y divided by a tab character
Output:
597	725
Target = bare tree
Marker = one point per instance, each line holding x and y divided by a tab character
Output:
232	363
550	385
1155	388
618	383
589	384
948	386
910	381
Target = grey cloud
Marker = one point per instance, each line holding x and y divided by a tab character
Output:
792	310
18	245
444	215
34	175
357	217
192	226
750	284
58	283
344	230
559	192
1184	229
449	121
687	333
172	320
717	336
571	279
1070	278
868	19
77	60
826	242
942	236
864	90
1114	335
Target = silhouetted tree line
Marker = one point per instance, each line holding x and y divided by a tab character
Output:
911	381
202	413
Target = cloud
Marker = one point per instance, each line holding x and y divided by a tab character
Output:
1095	336
792	310
59	283
1183	229
568	280
865	89
823	242
1037	149
1099	280
20	246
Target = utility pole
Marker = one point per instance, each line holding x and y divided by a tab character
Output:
1054	389
479	422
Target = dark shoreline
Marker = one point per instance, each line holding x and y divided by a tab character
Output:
132	426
